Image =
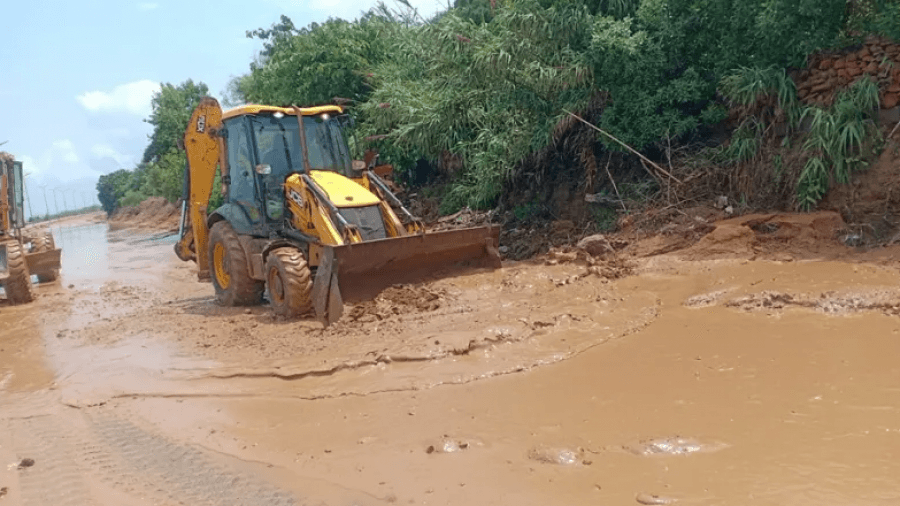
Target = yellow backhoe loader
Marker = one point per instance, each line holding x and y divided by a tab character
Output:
23	252
301	219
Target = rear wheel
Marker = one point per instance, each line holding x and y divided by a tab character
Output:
40	244
230	272
18	284
289	281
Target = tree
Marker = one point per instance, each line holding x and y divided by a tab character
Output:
172	107
112	187
315	64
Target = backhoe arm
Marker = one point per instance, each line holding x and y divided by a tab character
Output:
205	149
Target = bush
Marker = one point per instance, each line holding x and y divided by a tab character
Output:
837	140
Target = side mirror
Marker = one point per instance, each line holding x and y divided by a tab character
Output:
264	169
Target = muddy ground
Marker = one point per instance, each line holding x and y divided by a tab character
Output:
753	362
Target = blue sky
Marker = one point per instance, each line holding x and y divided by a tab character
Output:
78	76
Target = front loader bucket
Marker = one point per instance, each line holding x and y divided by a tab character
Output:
43	262
356	272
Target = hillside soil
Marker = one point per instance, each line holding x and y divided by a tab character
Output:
690	357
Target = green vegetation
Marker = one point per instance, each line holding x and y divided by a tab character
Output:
478	89
837	140
487	81
161	172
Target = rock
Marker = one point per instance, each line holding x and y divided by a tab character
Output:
729	211
839	64
889	117
721	202
826	64
595	245
503	250
562	226
853	240
652	500
26	463
890	100
564	257
827	85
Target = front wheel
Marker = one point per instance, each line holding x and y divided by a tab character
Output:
18	284
289	281
230	271
45	243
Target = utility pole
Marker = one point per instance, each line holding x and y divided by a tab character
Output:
46	205
27	197
56	202
74	205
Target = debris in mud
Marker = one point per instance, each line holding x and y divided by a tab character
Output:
398	300
3	491
611	267
559	456
25	463
706	299
652	499
884	300
673	446
447	445
465	218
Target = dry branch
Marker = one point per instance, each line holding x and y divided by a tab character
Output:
626	146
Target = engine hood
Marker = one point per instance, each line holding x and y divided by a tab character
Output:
342	191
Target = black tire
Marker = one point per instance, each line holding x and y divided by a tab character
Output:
229	269
18	284
40	244
289	281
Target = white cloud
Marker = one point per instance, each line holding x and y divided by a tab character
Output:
29	165
148	6
133	98
65	150
105	151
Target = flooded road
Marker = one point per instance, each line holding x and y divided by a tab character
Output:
692	382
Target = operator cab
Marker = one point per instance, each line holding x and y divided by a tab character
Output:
264	149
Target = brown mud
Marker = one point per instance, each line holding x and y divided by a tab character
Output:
753	362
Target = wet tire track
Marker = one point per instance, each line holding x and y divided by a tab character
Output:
55	476
181	473
72	450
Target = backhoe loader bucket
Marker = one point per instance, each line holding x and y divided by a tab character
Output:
360	271
43	263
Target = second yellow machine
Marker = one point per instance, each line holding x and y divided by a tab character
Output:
301	219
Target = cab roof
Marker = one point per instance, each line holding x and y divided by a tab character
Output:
252	109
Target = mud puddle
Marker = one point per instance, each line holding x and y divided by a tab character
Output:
708	404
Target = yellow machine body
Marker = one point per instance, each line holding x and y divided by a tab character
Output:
337	224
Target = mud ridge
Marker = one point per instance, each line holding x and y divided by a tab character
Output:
886	301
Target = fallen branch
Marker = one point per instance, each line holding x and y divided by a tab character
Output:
894	130
626	146
611	180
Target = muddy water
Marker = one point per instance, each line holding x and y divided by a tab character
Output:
718	382
709	404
